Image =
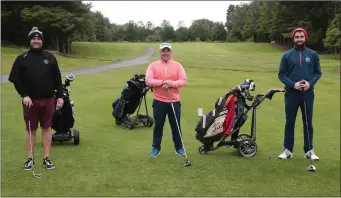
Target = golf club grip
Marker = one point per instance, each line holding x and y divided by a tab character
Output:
176	120
302	83
169	95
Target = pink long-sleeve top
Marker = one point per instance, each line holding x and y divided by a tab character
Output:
159	71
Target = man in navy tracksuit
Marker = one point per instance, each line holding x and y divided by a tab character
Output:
299	71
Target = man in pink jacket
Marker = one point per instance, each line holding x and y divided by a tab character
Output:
162	75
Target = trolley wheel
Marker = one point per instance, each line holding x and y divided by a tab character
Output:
242	136
202	149
75	136
150	122
247	147
130	126
130	122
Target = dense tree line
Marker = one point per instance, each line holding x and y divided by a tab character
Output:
67	21
259	21
273	21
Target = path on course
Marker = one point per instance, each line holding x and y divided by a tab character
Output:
89	70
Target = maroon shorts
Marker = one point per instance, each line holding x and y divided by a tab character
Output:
41	112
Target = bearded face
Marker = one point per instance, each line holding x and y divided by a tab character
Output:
299	39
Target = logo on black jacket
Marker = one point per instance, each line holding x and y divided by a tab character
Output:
307	59
46	62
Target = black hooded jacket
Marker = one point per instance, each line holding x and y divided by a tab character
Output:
36	74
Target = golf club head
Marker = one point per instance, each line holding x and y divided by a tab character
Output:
70	77
187	163
271	92
36	175
311	168
249	97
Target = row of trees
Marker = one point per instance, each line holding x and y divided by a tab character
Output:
259	21
67	21
200	30
267	21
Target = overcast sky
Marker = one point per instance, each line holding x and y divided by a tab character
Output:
121	12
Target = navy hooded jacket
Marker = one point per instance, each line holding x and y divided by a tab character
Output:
299	64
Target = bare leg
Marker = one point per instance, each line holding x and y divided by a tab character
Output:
47	136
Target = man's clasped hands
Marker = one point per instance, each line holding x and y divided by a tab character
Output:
166	84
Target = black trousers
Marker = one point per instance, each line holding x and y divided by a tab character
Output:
161	110
293	101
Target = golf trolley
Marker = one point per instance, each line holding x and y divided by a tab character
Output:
131	98
245	143
147	120
64	118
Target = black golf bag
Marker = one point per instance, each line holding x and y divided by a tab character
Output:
64	118
209	129
131	98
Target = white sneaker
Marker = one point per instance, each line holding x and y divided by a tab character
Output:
311	155
286	154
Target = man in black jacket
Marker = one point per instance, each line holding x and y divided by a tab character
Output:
36	75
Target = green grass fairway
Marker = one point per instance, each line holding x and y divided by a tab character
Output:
239	56
83	55
112	161
110	51
8	56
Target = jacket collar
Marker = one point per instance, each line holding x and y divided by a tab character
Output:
168	62
299	48
35	51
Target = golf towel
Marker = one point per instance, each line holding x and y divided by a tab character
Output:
229	118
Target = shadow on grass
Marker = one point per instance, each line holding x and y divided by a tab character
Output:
65	143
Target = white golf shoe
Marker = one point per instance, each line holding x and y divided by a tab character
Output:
311	155
286	154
